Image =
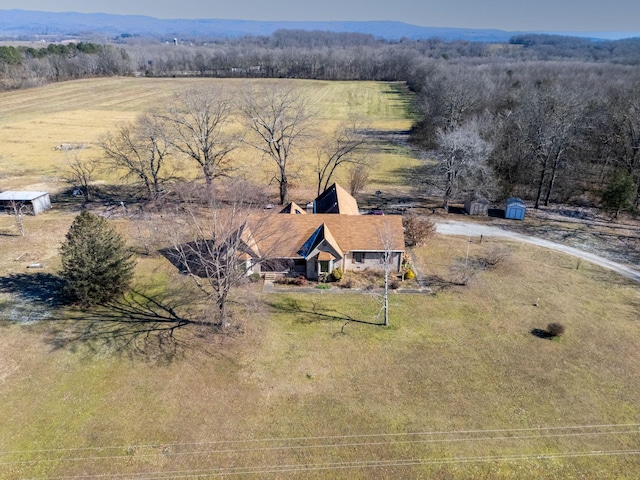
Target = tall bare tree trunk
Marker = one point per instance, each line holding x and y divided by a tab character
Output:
543	176
552	181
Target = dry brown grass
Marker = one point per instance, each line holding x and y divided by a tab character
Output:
433	387
453	389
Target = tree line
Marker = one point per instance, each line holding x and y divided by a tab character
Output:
290	54
25	67
199	129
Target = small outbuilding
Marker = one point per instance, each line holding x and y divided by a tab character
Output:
476	205
31	203
515	208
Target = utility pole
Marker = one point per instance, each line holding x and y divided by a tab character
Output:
385	303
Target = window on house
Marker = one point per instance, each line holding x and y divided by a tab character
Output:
324	266
358	257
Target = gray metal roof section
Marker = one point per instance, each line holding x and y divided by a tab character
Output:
21	196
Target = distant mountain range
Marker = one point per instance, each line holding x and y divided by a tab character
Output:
27	24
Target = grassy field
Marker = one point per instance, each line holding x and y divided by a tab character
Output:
457	387
33	122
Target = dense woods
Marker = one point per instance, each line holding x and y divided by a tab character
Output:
559	131
23	67
548	118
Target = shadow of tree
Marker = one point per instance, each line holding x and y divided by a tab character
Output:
418	176
438	283
540	333
101	195
137	325
315	313
158	328
42	288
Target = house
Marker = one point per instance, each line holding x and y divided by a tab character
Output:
312	245
295	242
31	203
515	208
315	244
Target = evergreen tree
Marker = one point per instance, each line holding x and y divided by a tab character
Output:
96	265
619	193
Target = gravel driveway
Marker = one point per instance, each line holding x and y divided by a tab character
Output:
469	229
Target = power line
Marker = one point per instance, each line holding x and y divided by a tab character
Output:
326	446
267	469
326	437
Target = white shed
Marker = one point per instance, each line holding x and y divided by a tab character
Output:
32	203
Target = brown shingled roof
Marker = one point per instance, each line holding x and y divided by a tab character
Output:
348	232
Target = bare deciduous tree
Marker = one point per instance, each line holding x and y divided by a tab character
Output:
462	165
215	246
358	177
343	148
417	229
140	150
80	172
450	96
621	134
550	121
386	239
196	128
278	119
18	209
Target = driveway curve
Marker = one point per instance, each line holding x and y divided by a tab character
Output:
469	229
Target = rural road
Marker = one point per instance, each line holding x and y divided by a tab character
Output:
469	229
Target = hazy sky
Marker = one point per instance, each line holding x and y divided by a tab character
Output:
529	15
